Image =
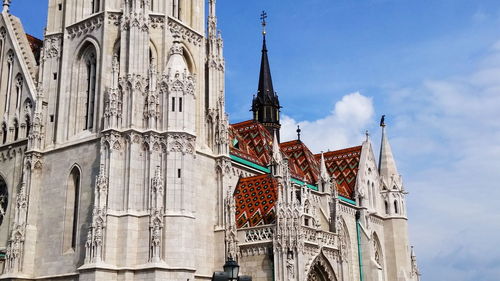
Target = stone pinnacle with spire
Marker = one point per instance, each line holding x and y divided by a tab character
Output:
387	165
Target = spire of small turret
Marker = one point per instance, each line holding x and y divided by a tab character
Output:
387	165
6	5
277	157
322	169
266	106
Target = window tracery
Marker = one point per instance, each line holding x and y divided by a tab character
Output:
4	199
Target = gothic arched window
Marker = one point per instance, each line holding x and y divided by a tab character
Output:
4	199
396	207
386	207
84	82
72	207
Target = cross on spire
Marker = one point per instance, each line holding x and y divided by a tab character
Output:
263	17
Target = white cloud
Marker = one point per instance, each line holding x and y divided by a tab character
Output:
447	137
343	127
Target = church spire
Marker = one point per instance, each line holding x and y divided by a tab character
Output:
266	106
387	164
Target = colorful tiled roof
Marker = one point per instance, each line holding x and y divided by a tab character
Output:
343	165
239	147
255	201
258	139
35	45
302	157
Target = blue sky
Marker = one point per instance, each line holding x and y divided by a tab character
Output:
432	66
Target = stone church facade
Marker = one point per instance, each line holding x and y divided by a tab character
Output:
118	162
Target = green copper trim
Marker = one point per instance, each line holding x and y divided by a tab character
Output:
313	187
249	164
266	170
347	200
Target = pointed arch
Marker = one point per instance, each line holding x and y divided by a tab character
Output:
72	209
321	269
345	249
377	258
84	103
4	198
396	206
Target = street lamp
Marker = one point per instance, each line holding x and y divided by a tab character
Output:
231	268
230	273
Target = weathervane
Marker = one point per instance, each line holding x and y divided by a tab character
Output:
298	132
263	17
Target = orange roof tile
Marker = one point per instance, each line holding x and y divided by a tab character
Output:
255	201
343	165
302	157
35	45
258	139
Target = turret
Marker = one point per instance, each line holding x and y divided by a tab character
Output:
266	106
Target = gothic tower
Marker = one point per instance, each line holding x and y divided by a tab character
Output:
125	90
266	106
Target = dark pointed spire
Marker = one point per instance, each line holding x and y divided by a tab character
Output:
266	106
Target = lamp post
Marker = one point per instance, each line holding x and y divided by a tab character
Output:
230	273
232	269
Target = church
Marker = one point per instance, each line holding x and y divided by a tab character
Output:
118	161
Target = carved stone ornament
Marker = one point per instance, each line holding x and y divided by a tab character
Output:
85	27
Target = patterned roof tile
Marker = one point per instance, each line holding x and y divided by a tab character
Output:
255	201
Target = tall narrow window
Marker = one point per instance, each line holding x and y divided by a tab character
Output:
10	63
95	6
19	90
28	126
180	104
90	91
16	130
396	206
176	9
173	104
72	207
4	133
386	207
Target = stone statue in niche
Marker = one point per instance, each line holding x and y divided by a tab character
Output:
290	266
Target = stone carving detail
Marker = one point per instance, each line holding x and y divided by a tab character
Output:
36	135
218	128
157	22
290	266
185	33
113	100
96	234
156	216
15	245
231	231
85	27
259	235
52	47
152	106
181	142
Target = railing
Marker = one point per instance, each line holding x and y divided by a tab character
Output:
256	234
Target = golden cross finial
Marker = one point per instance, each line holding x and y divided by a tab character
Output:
263	17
